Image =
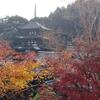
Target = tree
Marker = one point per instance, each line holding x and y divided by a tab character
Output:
89	11
9	24
80	19
77	78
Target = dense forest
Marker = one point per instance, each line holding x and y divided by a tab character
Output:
72	22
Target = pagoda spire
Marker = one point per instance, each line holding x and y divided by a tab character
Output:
35	10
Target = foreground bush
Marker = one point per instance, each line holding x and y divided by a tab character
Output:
15	77
18	73
77	74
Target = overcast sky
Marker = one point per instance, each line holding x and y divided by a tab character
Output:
25	8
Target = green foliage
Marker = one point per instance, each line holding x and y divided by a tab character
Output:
36	97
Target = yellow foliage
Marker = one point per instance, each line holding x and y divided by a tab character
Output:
16	76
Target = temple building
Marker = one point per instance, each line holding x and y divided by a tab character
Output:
31	37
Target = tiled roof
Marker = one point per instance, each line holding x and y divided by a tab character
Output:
33	25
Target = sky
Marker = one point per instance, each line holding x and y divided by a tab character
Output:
25	8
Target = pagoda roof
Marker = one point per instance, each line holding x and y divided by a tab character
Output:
33	25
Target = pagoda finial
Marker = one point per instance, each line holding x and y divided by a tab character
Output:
35	11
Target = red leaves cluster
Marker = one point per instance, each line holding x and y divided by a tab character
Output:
82	81
7	53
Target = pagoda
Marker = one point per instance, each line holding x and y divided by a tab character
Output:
30	36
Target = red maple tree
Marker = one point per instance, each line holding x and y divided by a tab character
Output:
78	78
